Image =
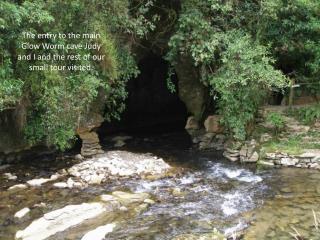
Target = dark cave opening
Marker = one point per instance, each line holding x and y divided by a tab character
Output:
150	106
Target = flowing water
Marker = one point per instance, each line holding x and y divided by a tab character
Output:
210	193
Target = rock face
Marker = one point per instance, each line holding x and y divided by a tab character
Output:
88	124
191	91
118	163
192	124
90	144
60	220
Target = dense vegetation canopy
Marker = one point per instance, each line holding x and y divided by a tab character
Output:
242	50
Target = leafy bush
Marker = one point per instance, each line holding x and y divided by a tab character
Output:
276	120
60	100
309	115
237	68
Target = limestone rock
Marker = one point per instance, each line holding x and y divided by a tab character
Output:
22	213
129	198
289	161
254	157
10	176
90	144
191	91
149	201
60	185
17	187
212	124
79	157
38	182
119	143
266	163
192	123
118	163
108	198
60	220
206	236
99	233
95	179
232	158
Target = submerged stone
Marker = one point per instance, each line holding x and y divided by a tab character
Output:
60	220
17	187
130	198
206	236
99	233
23	212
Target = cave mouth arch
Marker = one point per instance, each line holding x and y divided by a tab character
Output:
150	106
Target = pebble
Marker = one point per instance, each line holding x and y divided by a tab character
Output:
10	176
149	201
38	182
99	233
18	186
60	185
23	212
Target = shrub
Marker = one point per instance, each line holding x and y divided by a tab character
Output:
277	121
309	115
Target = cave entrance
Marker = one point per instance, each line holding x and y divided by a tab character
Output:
150	106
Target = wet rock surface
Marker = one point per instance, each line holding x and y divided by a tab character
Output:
99	233
208	236
61	219
118	163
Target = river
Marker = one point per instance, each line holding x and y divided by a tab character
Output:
210	193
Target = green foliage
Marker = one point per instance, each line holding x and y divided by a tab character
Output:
308	115
237	68
292	30
60	100
170	85
10	88
242	50
276	120
294	145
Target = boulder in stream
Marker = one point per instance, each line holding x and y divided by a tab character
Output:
118	163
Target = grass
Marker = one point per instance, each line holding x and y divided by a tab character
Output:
294	145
